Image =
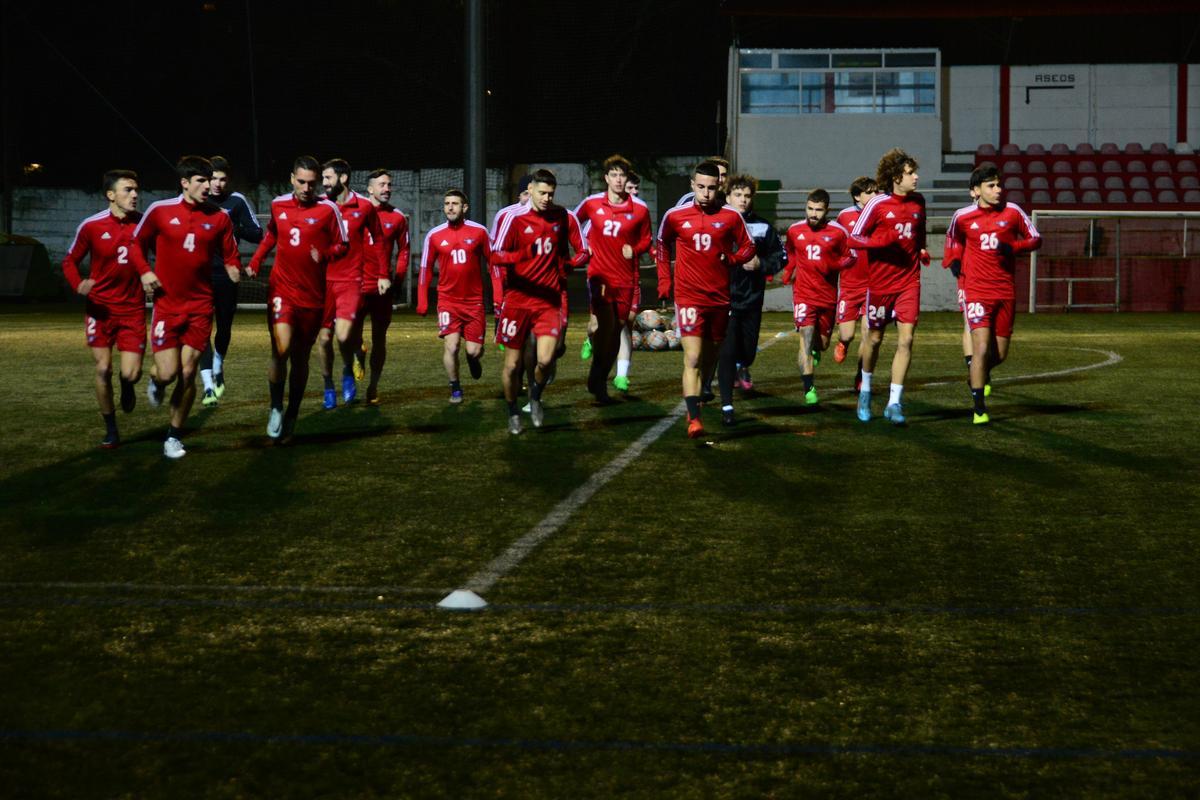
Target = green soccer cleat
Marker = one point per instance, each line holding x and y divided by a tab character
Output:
585	352
810	397
981	419
210	399
621	382
219	384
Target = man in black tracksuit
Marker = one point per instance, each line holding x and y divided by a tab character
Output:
225	291
746	296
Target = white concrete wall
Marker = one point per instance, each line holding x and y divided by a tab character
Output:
973	112
1193	105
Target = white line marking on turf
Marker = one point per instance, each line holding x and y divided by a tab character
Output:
1112	358
519	550
233	588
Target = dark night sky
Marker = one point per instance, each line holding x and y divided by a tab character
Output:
379	82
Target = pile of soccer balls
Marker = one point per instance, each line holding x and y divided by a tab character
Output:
655	331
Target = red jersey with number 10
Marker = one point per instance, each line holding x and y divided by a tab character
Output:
460	252
707	245
110	242
892	229
298	228
186	238
608	227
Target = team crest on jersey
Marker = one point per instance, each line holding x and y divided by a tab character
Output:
554	228
825	238
206	225
718	224
356	215
388	224
629	216
311	220
1001	223
469	241
915	215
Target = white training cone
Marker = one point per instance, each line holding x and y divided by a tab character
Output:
463	600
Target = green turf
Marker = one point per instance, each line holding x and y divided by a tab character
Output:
801	606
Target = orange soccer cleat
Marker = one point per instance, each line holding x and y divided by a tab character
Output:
839	352
695	428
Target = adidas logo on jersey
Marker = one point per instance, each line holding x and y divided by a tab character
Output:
974	226
283	215
800	238
528	229
687	225
106	235
443	243
599	212
890	215
175	221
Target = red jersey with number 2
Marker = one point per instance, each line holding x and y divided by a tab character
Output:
109	242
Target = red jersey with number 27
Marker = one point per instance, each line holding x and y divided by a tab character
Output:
109	241
608	227
297	228
186	238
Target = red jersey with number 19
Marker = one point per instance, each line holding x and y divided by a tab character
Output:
892	229
110	242
707	245
461	252
608	227
298	228
186	238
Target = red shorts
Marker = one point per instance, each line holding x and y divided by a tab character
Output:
172	331
807	316
851	304
603	295
903	306
995	314
125	329
467	320
305	322
341	301
379	307
962	295
516	323
706	322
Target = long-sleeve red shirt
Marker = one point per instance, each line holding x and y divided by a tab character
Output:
460	252
815	256
707	245
892	230
395	235
109	242
607	228
538	247
363	260
978	234
297	228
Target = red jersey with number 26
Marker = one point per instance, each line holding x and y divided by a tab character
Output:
461	253
297	228
707	245
979	233
109	241
892	229
186	238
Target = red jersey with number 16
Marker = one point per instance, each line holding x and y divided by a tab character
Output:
892	229
109	240
461	252
298	228
185	238
707	245
537	245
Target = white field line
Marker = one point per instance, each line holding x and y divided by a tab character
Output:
519	550
230	588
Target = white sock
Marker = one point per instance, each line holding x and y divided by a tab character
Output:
623	368
894	397
206	376
218	363
727	408
866	383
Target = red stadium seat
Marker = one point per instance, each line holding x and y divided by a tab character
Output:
1114	182
1091	197
1189	182
1018	196
1084	149
1036	167
1062	168
1109	148
1013	182
1117	197
1010	149
1136	165
1168	196
1139	182
1063	183
1012	168
1065	198
1060	149
1134	149
1161	166
1084	167
1089	182
1040	198
1038	182
1191	196
1111	166
985	150
1159	148
1035	150
1142	196
1186	165
1163	182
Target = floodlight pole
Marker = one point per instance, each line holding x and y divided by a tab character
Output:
474	138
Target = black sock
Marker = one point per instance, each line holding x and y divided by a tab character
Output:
512	409
174	433
276	395
535	392
347	371
126	385
110	423
295	398
328	382
455	386
987	378
977	396
693	406
808	382
968	360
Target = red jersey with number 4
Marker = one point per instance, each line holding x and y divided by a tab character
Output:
892	229
460	252
607	228
186	238
297	228
109	241
707	245
538	245
395	235
854	277
979	233
363	260
815	256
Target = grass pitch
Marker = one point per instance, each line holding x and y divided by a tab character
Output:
803	605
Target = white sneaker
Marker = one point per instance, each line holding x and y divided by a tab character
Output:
173	448
536	413
275	423
514	424
525	408
153	394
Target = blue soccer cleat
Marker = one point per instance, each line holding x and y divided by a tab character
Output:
349	389
864	406
895	414
330	399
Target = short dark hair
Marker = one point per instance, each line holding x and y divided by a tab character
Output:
891	168
523	183
818	196
743	182
987	171
190	166
543	176
617	161
633	177
306	162
109	181
459	193
708	168
377	173
862	184
219	164
340	166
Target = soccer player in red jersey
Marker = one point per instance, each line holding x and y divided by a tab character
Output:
535	243
185	234
616	226
722	165
892	230
710	239
309	233
990	237
379	304
459	249
952	260
347	278
114	302
817	251
852	281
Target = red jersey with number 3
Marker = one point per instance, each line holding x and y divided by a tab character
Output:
460	252
186	238
707	245
892	229
608	227
537	245
854	277
363	260
109	242
297	228
814	258
978	233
